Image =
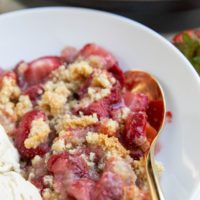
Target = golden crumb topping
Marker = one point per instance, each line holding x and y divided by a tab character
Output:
109	127
101	79
9	93
23	106
75	71
58	145
96	61
71	121
49	194
54	97
8	90
39	133
9	110
132	192
36	160
96	93
109	144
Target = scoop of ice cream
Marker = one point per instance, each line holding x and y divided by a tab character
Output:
9	157
14	187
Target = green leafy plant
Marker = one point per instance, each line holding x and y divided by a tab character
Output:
190	47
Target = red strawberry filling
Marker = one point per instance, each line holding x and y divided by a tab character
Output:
135	129
22	132
34	92
108	187
101	108
155	113
95	50
136	101
69	54
104	106
81	189
117	73
72	177
39	69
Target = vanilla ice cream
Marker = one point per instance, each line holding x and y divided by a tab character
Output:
9	157
12	185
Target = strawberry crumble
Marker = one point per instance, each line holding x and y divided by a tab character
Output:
81	125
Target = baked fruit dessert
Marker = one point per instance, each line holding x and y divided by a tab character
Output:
81	125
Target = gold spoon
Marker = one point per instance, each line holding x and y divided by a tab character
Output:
140	81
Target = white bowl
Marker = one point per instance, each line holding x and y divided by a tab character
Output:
32	33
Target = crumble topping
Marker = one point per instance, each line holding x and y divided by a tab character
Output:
9	93
49	194
9	110
140	171
124	169
109	127
72	121
38	133
36	160
96	61
22	68
109	144
59	145
101	79
96	93
48	180
76	71
88	161
54	97
23	106
8	90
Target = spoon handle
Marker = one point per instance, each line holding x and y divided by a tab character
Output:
155	189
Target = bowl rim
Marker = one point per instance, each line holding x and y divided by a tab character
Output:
117	17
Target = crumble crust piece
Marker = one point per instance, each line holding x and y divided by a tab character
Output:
38	134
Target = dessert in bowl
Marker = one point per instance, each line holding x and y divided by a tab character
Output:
38	32
80	124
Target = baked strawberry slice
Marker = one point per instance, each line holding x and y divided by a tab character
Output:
117	73
134	133
81	189
136	153
104	106
19	69
136	101
39	69
115	98
70	171
22	132
110	186
34	92
39	183
101	108
69	54
69	164
155	113
95	50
